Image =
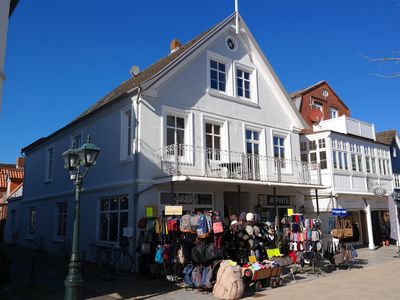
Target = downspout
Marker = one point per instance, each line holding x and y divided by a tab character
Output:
135	174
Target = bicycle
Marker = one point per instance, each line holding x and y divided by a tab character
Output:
122	263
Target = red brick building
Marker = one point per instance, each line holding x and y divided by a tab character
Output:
319	96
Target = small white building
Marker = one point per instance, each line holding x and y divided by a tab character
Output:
355	168
210	124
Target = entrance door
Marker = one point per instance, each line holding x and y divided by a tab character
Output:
234	204
363	227
376	227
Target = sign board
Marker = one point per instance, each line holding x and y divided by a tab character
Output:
339	212
173	210
262	200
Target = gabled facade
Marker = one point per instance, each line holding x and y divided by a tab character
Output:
355	168
208	127
319	96
11	185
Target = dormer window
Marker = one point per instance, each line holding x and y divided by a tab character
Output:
317	105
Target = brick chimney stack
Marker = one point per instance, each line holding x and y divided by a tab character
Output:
175	44
20	162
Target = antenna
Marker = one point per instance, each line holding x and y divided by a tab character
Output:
237	15
134	70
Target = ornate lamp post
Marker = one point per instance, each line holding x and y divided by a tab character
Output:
77	161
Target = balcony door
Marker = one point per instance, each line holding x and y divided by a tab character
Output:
251	159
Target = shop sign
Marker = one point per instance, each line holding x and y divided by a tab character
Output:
173	210
262	200
280	200
339	212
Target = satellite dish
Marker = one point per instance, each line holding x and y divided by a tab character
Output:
134	71
315	115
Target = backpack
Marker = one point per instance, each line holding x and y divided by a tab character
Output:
150	225
204	276
202	227
194	222
185	223
159	258
172	225
229	284
187	275
181	256
196	277
197	254
217	225
167	253
157	226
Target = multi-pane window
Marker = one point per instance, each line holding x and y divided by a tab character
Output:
50	163
303	146
252	142
279	149
312	145
32	220
126	134
217	75
321	143
113	218
333	112
61	219
335	159
77	140
317	105
322	160
313	157
304	157
243	83
213	141
176	132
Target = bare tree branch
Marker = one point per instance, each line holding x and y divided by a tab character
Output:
394	75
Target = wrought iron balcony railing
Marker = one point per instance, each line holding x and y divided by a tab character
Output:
190	160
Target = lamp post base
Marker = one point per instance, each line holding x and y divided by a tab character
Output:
74	282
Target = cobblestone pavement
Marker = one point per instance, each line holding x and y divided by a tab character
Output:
377	278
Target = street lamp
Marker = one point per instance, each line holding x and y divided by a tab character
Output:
74	161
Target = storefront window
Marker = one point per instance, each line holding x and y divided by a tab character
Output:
113	218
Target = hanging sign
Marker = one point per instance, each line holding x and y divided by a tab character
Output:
290	212
174	210
339	212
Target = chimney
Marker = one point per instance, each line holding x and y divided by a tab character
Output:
175	44
20	162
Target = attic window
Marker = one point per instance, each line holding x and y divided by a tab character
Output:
325	93
231	43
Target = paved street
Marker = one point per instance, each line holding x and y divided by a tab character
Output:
376	279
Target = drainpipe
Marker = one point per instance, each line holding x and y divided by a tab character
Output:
135	174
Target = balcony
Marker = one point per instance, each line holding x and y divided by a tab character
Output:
396	181
189	160
348	125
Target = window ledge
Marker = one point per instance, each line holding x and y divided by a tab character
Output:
216	94
30	238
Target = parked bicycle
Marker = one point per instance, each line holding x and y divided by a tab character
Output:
122	262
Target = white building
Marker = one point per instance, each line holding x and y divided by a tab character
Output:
6	9
356	171
210	122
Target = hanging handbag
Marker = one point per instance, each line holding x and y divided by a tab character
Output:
348	230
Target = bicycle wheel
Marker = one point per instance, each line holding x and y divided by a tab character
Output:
104	261
124	264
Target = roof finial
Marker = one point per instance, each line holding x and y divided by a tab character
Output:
237	15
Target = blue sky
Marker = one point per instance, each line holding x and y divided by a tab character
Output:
62	56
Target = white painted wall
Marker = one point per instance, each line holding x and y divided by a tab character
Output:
4	10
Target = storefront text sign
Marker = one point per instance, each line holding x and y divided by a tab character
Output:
173	210
339	212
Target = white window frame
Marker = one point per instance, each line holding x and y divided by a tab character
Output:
188	134
49	174
126	153
58	237
333	111
74	136
287	168
253	82
228	73
222	135
118	211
